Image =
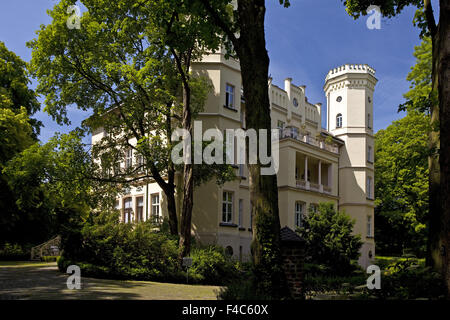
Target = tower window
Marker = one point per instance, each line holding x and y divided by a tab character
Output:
339	121
369	154
229	96
369	188
369	226
368	121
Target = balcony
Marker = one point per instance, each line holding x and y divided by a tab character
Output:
310	186
293	133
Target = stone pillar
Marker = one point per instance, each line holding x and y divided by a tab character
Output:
320	176
292	251
306	172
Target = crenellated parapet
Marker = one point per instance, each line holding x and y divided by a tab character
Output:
353	76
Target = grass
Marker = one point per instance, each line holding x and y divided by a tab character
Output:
41	280
25	263
383	261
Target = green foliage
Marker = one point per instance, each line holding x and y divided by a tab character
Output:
52	186
211	265
107	248
385	261
329	239
418	97
319	279
14	91
407	279
15	136
15	133
122	66
14	251
389	8
401	185
49	258
243	287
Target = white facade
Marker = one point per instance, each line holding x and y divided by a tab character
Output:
316	165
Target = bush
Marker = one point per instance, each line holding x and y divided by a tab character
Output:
210	265
408	279
243	286
386	262
109	249
49	258
14	252
329	239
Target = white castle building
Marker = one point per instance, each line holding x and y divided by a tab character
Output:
316	164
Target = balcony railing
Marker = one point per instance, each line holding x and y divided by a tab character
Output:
293	133
311	186
301	184
327	189
314	186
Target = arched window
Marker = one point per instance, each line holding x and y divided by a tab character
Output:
339	120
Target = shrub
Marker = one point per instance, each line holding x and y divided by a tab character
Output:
242	287
329	239
210	265
14	251
141	251
49	258
386	262
408	279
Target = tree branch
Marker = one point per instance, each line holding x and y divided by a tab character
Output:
428	9
221	23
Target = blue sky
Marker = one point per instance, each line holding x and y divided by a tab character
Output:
304	42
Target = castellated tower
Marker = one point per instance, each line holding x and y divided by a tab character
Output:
349	90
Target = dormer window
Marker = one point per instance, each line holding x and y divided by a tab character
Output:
339	120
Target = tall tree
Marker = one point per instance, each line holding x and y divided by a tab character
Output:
119	66
401	180
439	143
108	67
51	183
14	91
243	25
17	132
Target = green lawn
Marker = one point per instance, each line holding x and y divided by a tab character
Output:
25	263
42	280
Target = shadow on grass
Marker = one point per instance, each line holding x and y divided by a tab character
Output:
46	282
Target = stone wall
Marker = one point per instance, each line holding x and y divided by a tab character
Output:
293	258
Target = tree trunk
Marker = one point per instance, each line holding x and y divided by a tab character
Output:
170	194
434	245
188	187
183	63
254	62
443	70
172	212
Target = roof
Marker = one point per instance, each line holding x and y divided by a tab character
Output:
288	235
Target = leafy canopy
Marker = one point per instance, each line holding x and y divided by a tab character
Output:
401	183
14	91
418	97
